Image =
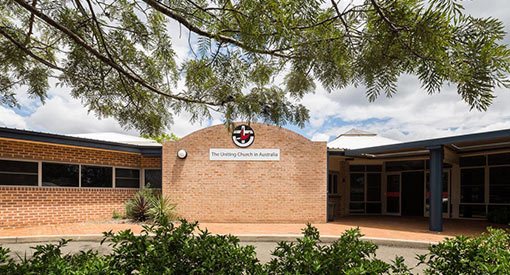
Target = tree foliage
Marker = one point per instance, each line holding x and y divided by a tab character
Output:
251	59
161	138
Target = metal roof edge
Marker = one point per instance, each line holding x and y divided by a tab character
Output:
429	142
76	141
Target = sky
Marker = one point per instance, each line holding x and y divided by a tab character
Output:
409	115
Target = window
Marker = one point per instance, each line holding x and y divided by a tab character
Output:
96	176
374	168
153	178
127	178
472	193
405	165
373	193
499	184
472	182
365	193
472	211
472	161
18	173
59	174
357	168
333	183
357	198
499	159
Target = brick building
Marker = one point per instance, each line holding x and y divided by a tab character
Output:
49	179
253	173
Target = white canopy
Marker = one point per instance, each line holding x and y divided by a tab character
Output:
356	139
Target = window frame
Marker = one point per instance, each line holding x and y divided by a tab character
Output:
142	176
365	172
487	167
39	172
93	165
80	164
331	176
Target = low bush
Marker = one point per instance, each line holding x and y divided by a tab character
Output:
161	210
116	215
177	250
348	255
48	259
185	249
137	208
488	253
150	205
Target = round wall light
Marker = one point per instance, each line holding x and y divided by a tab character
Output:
182	154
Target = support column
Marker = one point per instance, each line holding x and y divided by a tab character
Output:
436	188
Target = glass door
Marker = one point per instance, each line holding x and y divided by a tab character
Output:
393	194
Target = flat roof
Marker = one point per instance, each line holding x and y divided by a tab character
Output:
460	143
27	135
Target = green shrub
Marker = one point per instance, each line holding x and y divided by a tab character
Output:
150	205
48	259
137	208
162	210
116	215
177	250
185	249
348	255
488	253
499	215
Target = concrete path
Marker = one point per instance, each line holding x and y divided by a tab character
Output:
263	249
376	227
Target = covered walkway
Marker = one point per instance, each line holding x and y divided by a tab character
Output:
480	168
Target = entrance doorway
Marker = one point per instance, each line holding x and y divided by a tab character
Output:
412	193
393	194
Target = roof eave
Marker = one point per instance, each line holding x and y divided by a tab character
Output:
26	135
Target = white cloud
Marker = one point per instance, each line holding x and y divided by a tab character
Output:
320	137
8	118
67	115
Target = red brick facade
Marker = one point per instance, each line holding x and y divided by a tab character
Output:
292	189
150	162
22	206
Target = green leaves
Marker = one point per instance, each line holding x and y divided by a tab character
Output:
248	60
348	255
186	249
488	253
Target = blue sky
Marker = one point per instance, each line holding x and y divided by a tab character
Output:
410	114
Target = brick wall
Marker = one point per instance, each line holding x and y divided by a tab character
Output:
24	206
290	190
150	162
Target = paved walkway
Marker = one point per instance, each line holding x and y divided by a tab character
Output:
397	228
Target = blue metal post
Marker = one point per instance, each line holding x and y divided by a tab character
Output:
436	188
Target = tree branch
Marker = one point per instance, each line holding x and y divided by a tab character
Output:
226	39
79	41
30	24
381	13
22	47
340	16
